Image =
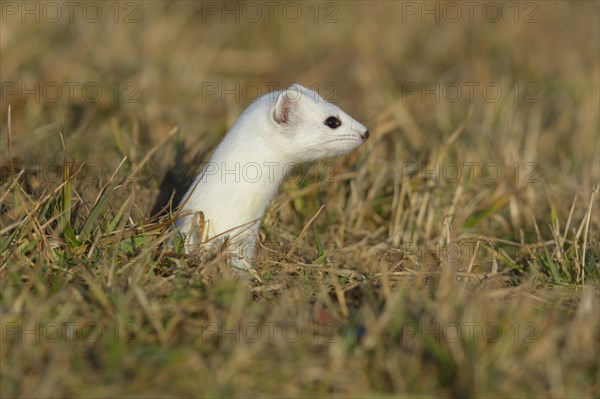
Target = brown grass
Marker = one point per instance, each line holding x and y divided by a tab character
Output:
412	280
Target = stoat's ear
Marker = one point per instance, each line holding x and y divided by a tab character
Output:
286	103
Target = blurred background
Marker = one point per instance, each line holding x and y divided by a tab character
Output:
522	77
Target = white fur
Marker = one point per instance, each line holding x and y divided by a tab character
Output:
277	131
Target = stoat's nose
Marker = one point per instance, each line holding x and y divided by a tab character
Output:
365	136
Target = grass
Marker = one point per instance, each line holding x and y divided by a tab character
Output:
454	254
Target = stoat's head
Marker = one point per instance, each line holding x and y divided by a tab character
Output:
310	128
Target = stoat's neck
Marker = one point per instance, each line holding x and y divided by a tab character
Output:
243	174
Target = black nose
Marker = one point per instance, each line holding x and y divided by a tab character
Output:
365	136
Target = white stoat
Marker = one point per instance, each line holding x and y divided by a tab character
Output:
277	131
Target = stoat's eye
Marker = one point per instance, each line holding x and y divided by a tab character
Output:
332	122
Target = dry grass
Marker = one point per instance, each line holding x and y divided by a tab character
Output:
408	282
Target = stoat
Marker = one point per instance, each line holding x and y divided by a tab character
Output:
276	132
